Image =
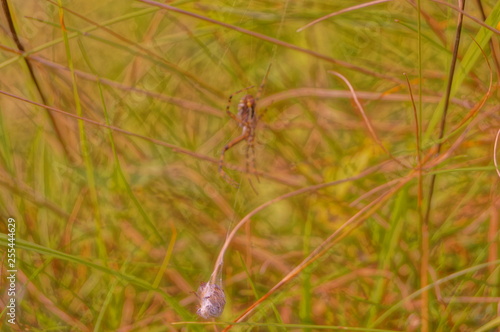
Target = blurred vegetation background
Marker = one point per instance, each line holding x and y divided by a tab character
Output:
112	121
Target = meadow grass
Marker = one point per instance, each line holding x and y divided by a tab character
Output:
374	204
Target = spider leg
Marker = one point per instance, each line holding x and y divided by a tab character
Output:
263	84
250	162
221	160
251	156
247	164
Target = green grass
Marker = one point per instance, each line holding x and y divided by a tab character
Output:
121	212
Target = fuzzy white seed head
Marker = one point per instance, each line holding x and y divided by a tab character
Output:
212	300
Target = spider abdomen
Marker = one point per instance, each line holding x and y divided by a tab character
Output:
246	109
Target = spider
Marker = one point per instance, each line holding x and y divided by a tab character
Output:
247	120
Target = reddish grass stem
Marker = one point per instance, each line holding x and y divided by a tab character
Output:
424	266
272	40
345	10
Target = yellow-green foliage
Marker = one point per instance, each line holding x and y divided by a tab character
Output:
111	130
